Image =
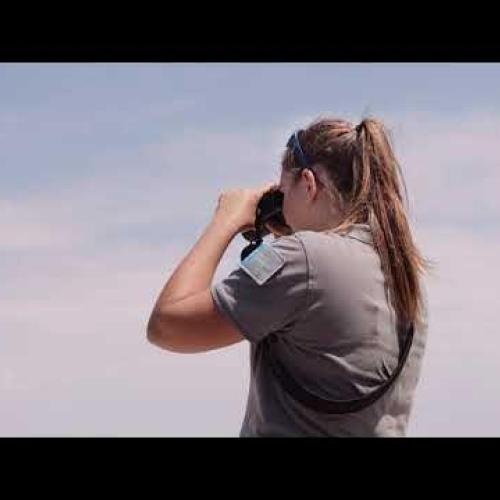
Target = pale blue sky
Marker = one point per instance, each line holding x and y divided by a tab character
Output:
110	173
69	111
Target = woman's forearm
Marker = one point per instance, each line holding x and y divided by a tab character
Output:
196	271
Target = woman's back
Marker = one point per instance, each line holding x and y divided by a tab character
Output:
343	342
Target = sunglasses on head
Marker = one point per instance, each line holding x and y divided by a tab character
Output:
294	144
304	161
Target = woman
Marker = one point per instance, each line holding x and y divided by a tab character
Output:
341	292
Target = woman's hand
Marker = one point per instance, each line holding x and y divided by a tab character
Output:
237	207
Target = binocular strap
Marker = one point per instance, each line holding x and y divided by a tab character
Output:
320	404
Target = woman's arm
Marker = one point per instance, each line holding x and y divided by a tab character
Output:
196	271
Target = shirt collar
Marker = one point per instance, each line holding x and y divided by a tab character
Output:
361	232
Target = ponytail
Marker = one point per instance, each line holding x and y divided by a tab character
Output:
366	179
387	216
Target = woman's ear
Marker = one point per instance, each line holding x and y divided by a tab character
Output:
312	185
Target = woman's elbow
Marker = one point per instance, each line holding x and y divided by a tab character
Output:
158	335
155	332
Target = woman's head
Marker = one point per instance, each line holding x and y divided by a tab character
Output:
332	179
352	176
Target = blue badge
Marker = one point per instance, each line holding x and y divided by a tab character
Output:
262	263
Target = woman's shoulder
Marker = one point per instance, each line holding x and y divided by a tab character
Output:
357	240
346	261
352	253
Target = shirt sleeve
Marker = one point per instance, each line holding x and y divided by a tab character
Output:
258	310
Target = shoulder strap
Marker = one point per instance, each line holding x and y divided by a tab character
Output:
322	405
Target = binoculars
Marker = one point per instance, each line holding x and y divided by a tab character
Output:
268	219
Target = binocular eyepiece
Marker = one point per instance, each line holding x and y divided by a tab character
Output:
268	219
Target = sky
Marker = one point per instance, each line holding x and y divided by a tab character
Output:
111	172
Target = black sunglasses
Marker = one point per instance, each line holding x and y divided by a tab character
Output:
294	144
299	153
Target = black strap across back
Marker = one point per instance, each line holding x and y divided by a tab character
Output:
320	404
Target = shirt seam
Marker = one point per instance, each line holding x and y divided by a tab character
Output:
292	316
307	300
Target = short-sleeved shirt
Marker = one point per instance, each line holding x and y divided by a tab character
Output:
335	331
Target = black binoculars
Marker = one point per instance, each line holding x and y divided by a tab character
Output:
268	219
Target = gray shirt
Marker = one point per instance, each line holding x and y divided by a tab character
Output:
335	332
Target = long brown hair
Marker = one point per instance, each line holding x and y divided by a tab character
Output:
365	182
